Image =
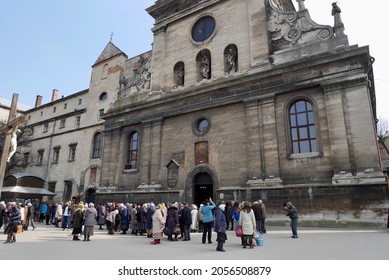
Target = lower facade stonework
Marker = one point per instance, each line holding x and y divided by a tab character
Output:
341	206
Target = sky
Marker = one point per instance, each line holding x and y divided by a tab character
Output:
50	44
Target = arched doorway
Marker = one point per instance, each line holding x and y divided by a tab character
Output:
202	188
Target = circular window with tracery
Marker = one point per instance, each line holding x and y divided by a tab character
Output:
203	29
201	126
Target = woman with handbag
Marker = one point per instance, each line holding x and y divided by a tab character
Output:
14	219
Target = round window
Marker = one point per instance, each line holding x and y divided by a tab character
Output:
203	29
201	126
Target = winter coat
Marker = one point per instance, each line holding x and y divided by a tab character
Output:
101	215
90	217
194	213
158	221
220	221
112	215
58	212
207	212
263	207
186	216
247	222
172	218
257	211
78	218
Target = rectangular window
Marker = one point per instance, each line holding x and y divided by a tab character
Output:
201	152
67	194
101	112
56	154
78	121
54	109
45	127
79	101
26	157
72	152
65	106
51	186
40	157
62	123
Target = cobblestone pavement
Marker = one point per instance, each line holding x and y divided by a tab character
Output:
50	243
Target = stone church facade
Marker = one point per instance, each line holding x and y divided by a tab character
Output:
242	100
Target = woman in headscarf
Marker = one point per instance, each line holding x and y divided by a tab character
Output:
78	220
172	221
149	219
220	227
101	215
90	221
125	220
158	224
110	221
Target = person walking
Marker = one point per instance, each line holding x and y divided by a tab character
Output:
30	216
158	224
90	221
220	227
292	213
208	221
248	224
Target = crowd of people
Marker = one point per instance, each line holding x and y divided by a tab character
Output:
175	220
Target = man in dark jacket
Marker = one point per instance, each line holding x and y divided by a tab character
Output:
292	213
258	214
186	218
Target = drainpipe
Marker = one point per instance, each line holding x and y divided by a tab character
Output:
48	157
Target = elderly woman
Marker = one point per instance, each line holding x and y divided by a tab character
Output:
90	221
158	224
14	220
248	224
78	221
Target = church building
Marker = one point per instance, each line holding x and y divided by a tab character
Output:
244	100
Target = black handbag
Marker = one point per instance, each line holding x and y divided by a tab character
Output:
166	231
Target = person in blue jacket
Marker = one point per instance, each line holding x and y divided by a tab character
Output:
206	210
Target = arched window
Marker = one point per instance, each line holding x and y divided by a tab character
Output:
97	145
302	127
103	96
133	151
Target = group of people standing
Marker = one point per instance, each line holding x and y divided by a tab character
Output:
16	217
152	220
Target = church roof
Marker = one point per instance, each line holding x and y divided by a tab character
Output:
109	52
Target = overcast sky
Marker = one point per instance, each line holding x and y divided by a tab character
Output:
50	44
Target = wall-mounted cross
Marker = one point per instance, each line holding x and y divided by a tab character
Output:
8	129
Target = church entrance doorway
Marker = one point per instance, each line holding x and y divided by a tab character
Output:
203	188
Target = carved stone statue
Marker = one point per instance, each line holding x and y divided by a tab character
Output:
231	57
14	143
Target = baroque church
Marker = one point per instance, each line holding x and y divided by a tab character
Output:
239	100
